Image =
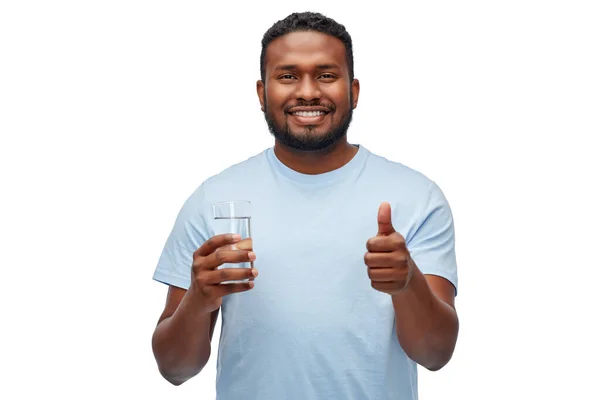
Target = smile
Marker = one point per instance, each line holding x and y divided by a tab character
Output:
305	118
308	113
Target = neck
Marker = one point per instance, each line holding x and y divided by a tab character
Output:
316	162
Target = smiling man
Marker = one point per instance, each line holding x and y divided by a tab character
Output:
307	114
356	253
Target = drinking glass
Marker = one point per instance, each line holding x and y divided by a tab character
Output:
234	217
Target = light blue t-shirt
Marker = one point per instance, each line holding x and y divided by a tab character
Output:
313	327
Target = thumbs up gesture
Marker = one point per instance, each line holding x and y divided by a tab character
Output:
389	263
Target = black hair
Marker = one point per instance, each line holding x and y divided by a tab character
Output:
307	21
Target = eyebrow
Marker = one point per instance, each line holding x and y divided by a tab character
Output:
328	66
292	67
288	67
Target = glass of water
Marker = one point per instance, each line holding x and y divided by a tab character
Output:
234	217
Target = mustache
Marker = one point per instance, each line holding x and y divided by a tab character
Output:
312	103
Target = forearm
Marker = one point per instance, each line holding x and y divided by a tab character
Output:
181	343
427	327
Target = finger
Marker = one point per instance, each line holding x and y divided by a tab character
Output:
381	274
384	219
387	286
228	274
392	242
245	244
215	242
382	260
229	288
220	257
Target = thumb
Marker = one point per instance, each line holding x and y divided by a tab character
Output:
384	219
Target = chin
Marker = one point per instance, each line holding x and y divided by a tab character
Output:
309	131
307	137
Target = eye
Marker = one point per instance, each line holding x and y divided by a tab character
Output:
327	77
287	77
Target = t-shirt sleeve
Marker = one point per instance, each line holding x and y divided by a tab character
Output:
432	245
189	232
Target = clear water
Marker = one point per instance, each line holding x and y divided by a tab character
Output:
239	225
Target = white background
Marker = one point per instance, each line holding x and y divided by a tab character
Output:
113	112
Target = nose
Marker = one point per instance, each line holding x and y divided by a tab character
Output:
308	89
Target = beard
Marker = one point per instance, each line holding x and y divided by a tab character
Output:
307	140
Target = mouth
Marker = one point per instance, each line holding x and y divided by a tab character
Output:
308	115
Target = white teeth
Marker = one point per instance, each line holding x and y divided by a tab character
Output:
308	113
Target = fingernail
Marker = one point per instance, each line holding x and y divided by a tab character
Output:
251	256
236	237
254	273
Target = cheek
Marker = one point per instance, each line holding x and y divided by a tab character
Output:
341	96
276	96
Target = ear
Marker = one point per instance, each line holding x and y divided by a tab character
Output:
260	91
355	91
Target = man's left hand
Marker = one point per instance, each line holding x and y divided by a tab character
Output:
389	263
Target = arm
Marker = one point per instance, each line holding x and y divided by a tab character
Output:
426	320
181	340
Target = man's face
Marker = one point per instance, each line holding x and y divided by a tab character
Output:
307	96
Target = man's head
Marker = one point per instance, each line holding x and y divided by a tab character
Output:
307	88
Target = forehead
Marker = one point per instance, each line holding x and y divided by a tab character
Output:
305	49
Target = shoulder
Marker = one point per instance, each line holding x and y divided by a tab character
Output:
400	176
227	184
238	175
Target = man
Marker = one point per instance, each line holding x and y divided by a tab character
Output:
356	253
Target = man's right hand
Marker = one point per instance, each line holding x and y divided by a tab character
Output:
207	280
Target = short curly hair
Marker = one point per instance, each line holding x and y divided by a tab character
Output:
307	21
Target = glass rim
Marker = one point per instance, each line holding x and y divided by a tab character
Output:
218	203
